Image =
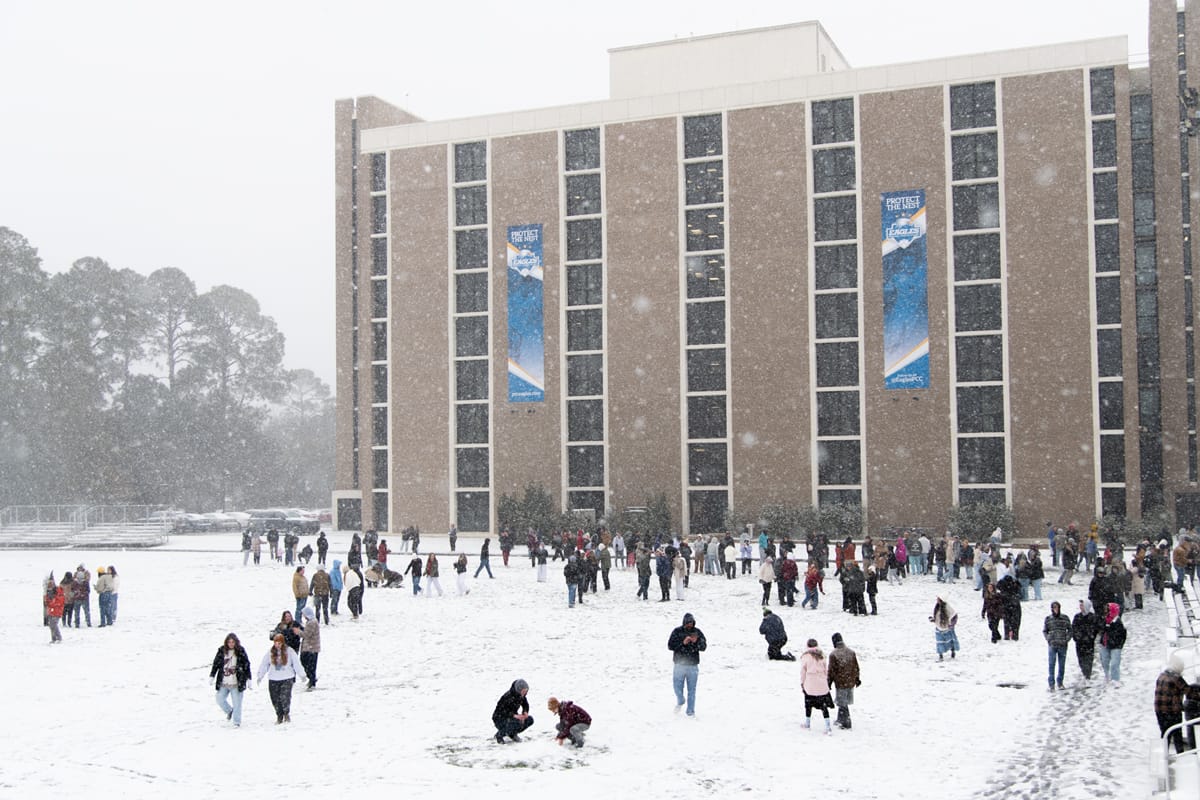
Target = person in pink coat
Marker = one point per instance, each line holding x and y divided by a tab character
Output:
814	680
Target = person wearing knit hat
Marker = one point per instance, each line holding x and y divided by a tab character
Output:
573	721
1112	641
1169	690
772	628
511	716
844	678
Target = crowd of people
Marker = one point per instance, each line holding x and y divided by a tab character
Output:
68	603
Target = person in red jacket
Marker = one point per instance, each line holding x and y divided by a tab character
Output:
573	721
383	552
54	601
788	574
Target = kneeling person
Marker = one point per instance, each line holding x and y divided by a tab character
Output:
512	712
573	721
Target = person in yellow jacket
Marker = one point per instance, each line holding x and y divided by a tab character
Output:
300	590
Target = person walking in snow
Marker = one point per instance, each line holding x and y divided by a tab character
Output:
511	716
320	590
231	669
944	619
245	547
844	677
279	667
322	548
273	541
993	610
256	547
788	573
872	587
1057	631
83	594
814	681
543	568
104	591
573	721
772	629
642	562
431	575
766	576
679	569
485	559
300	589
53	602
460	574
1010	594
1112	641
813	581
414	569
686	643
353	581
571	574
310	647
1084	630
664	570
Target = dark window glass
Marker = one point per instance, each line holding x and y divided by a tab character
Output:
707	511
981	460
1108	301
1104	143
1143	214
836	315
837	414
379	502
587	500
704	183
706	275
379	259
1150	409
1108	248
470	162
1143	166
470	205
1108	346
380	463
585	375
837	364
379	383
474	511
585	285
471	292
706	323
838	462
982	497
379	298
379	214
1104	98
585	465
470	336
472	423
1146	303
837	266
977	307
584	239
471	249
583	194
585	420
839	497
1145	264
471	380
980	409
582	149
976	206
978	358
472	466
378	172
1112	459
1112	501
834	170
1141	116
833	121
379	338
705	229
702	136
379	426
835	218
973	106
707	464
706	417
977	257
706	370
585	330
974	156
1112	406
1104	191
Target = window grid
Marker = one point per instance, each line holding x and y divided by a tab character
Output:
969	423
1185	183
826	477
379	202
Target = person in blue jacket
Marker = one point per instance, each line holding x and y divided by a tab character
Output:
335	586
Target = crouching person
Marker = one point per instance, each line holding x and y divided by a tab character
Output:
511	716
573	721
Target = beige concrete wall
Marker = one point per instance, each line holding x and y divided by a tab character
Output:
343	112
527	440
767	279
1050	338
419	342
642	214
908	468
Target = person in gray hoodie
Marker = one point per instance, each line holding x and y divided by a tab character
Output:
310	647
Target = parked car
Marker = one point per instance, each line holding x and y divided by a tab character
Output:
220	521
196	523
325	516
263	520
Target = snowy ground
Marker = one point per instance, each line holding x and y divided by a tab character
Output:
406	693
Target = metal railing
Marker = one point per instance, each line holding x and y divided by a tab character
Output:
1168	756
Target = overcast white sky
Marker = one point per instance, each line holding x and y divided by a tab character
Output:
200	136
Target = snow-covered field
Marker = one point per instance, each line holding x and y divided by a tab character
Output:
406	693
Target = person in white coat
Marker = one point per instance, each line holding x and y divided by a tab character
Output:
281	667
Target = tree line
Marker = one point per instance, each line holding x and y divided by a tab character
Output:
117	387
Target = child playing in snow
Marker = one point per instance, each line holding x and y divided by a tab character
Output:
573	721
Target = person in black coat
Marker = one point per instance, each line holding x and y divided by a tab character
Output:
231	669
1010	592
291	630
1084	629
511	716
772	628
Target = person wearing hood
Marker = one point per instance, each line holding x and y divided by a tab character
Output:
1169	690
1112	640
1010	591
814	680
844	677
279	666
788	573
771	627
944	619
231	668
320	589
1084	629
664	570
310	647
53	602
766	576
335	586
511	716
322	548
83	594
571	573
686	643
1057	632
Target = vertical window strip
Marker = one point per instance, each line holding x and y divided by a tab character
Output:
354	466
1185	213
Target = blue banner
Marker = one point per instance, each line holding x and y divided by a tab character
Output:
905	290
526	330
